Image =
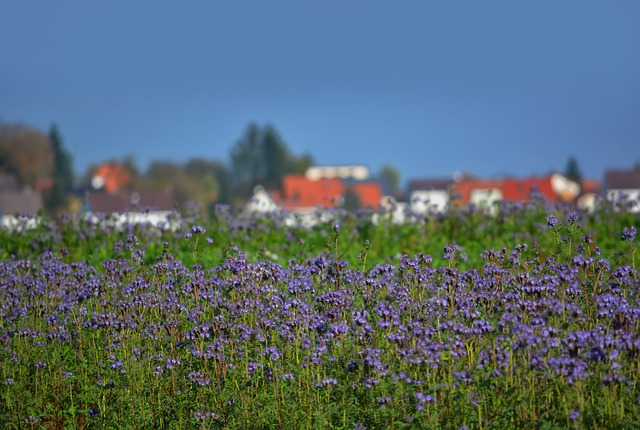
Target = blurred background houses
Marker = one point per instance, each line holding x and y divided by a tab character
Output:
263	175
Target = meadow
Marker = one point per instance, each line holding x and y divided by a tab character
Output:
528	318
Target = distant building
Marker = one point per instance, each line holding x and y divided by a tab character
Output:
101	202
554	187
436	195
110	198
623	185
356	172
301	194
26	202
14	200
15	203
111	177
590	194
429	195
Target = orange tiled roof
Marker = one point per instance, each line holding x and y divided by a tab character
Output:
114	175
591	186
299	192
520	189
369	193
511	189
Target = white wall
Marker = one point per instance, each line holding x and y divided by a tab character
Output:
632	195
425	201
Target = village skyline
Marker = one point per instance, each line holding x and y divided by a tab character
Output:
33	160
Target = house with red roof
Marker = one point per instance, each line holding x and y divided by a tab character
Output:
554	187
111	177
302	194
112	200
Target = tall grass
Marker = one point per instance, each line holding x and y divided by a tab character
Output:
462	320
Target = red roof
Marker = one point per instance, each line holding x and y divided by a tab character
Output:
591	186
369	193
114	175
512	189
299	192
520	189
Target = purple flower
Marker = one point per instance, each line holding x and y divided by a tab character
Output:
596	354
629	233
552	221
573	217
327	382
424	398
382	401
574	415
32	419
116	365
196	229
449	252
204	415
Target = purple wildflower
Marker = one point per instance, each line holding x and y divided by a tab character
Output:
449	252
629	233
204	415
596	354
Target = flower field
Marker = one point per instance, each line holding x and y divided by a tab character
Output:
526	318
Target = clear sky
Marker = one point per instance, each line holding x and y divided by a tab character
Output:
430	87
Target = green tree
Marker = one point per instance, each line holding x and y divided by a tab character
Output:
246	161
572	170
390	177
261	157
351	200
211	177
300	164
277	160
27	154
57	197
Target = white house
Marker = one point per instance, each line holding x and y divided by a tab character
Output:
624	185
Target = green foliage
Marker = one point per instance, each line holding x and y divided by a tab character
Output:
573	171
26	153
261	157
113	369
391	176
57	197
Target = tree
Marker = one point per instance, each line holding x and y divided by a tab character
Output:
57	197
211	177
351	200
277	159
198	180
27	154
390	177
246	161
299	165
573	170
261	157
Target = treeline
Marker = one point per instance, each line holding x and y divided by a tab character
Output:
39	161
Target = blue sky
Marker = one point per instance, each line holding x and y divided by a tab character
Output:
429	87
